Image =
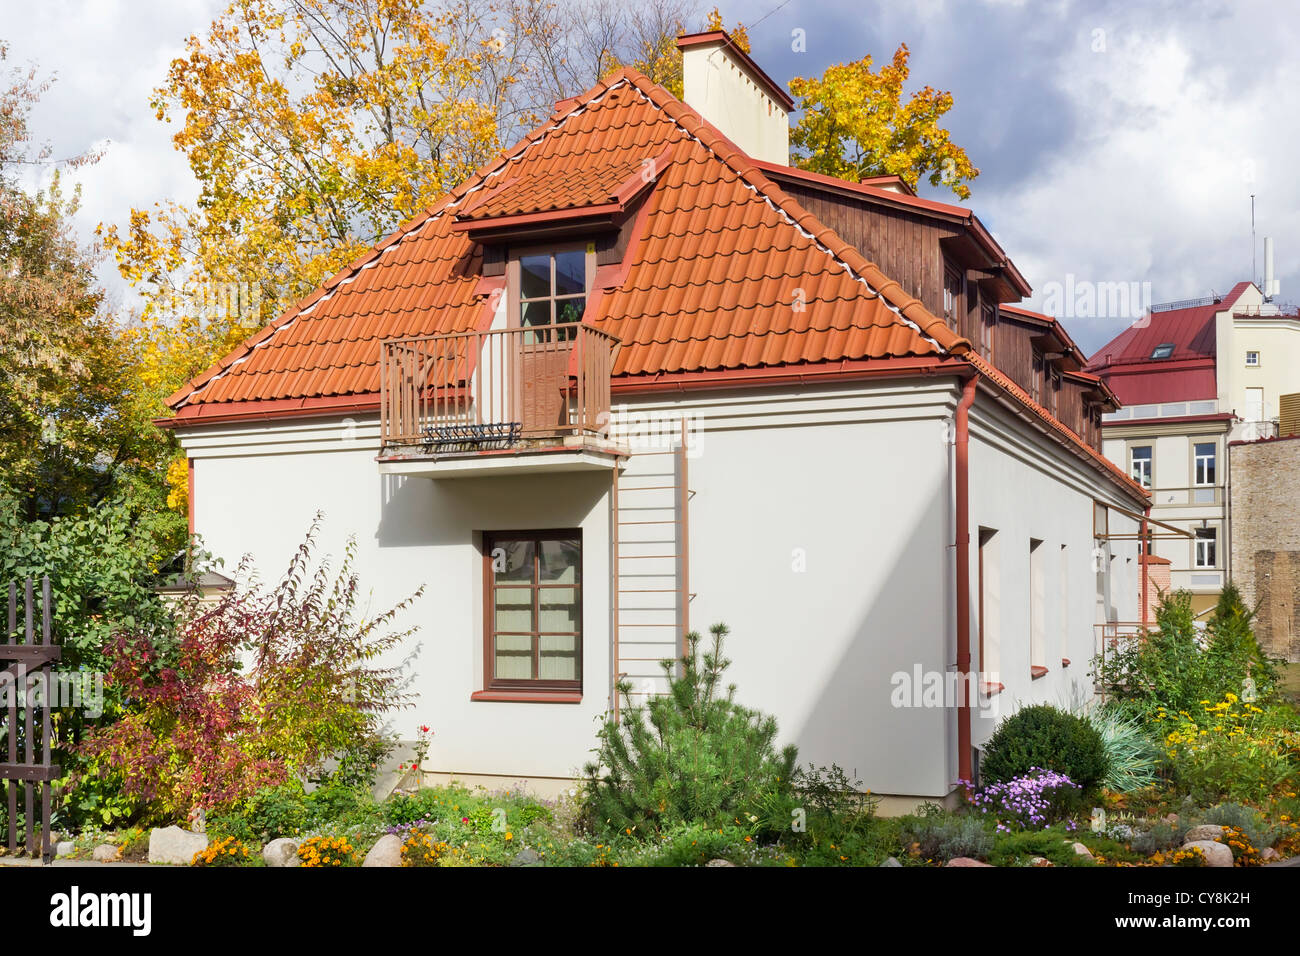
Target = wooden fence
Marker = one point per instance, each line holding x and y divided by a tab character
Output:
26	685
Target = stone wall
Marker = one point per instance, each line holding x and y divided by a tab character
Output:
1264	498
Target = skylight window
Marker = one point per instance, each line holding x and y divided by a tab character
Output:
1163	350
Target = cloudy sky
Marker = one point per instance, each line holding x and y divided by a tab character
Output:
1118	140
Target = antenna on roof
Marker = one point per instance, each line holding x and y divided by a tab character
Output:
1252	237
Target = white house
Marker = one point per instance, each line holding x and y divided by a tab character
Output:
872	490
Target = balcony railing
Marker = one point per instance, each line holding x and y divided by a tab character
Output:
473	391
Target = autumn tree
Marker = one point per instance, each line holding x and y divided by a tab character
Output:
71	433
855	124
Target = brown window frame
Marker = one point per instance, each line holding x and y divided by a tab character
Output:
988	323
954	285
1037	369
530	686
514	280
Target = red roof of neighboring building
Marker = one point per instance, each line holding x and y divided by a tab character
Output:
1186	374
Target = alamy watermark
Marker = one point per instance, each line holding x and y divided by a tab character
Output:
82	690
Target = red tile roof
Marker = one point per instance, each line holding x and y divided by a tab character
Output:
725	273
729	271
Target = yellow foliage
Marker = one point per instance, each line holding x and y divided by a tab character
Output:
315	128
855	125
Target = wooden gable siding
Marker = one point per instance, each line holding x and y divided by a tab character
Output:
903	245
1013	351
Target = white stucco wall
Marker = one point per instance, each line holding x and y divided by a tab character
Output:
821	532
1029	490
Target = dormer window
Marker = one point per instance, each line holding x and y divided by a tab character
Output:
550	286
1163	350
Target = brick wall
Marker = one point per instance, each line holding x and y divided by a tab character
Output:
1265	511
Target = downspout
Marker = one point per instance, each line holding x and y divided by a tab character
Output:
962	480
1142	545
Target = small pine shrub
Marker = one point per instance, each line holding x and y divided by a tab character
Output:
694	755
1044	737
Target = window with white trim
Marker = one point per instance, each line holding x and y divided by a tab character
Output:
1139	464
1252	360
1207	548
1204	461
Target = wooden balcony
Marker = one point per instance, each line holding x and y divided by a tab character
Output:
533	398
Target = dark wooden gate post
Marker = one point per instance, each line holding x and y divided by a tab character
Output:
34	654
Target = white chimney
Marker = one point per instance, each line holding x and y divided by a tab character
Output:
1272	286
728	89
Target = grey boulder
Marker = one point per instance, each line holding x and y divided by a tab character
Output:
386	852
176	846
281	852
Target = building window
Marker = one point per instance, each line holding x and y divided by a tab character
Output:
952	289
1204	460
552	288
1140	464
1036	377
1054	392
988	326
1252	360
1163	350
533	610
1207	541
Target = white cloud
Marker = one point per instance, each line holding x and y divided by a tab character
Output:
107	57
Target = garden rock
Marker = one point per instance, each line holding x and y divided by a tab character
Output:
965	861
281	852
719	863
526	857
386	852
1082	850
106	853
174	845
1268	854
1216	854
1171	819
890	861
1206	831
64	848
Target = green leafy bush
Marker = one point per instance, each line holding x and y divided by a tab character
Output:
1133	755
1044	737
694	755
277	811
